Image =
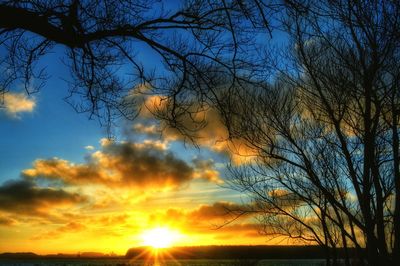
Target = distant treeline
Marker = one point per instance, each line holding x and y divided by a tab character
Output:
236	252
19	255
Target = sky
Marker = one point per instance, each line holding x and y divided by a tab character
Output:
66	187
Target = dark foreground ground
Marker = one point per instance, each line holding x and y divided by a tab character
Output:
183	256
126	262
237	252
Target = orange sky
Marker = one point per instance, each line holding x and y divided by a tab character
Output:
111	217
112	191
119	189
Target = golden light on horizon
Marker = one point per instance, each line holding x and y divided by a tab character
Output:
160	237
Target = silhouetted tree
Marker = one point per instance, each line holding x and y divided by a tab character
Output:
324	129
325	132
104	42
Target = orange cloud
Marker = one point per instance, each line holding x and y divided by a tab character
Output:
203	124
205	169
232	231
16	103
121	229
217	223
110	220
100	224
69	228
7	221
220	210
204	218
149	130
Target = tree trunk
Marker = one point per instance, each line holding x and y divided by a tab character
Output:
396	163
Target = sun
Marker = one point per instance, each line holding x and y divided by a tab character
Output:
160	237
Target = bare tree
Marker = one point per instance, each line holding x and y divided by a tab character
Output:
104	42
326	131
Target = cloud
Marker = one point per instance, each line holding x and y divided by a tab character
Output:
23	197
206	169
233	231
110	220
69	228
219	220
16	103
7	221
89	148
205	217
146	165
199	124
220	210
110	224
203	124
149	130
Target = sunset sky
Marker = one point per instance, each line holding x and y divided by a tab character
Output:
65	187
176	129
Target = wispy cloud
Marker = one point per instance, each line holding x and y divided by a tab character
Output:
69	228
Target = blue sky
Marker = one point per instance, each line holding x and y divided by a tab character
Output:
51	129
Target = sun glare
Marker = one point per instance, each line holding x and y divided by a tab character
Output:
160	237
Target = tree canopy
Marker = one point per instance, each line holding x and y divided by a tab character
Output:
194	42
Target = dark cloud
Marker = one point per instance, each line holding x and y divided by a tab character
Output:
224	220
7	221
233	231
205	169
23	197
143	165
124	164
221	210
206	217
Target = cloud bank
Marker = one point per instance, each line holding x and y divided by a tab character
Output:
24	197
147	165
